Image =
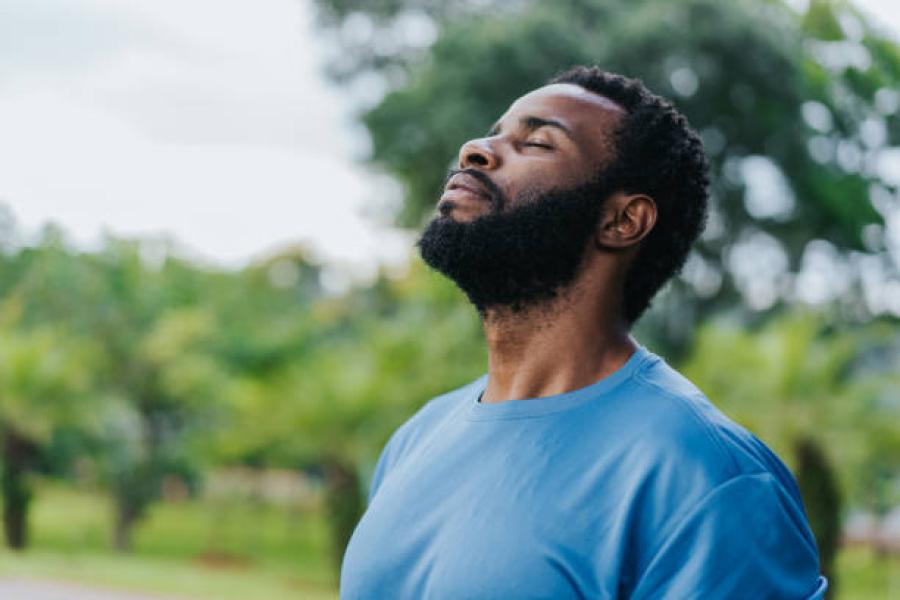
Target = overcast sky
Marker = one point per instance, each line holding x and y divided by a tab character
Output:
203	120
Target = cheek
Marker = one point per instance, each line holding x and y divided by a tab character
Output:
536	181
525	180
547	173
525	194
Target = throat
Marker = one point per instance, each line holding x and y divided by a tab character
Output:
546	351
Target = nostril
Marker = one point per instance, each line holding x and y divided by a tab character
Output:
478	154
477	159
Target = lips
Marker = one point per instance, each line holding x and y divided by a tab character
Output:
465	182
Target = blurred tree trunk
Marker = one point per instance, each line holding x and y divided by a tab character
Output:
344	504
126	516
18	454
822	498
139	483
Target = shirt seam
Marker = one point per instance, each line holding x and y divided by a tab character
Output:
677	525
713	435
708	428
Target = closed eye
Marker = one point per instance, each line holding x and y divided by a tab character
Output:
538	145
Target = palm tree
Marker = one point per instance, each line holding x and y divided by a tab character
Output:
44	377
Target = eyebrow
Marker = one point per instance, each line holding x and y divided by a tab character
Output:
532	123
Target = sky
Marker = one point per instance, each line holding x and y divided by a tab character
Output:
206	122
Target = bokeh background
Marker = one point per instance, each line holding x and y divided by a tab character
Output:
212	317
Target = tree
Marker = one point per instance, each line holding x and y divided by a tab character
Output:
373	358
796	112
44	380
155	375
176	382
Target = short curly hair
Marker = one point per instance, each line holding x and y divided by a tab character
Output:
657	153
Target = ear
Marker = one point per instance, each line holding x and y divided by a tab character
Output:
625	221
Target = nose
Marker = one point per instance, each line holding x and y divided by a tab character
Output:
478	154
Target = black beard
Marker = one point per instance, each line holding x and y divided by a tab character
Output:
521	257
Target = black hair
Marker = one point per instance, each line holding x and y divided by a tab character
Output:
657	153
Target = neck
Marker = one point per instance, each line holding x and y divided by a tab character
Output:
554	348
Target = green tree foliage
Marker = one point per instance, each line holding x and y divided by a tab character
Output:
154	378
193	356
44	380
376	356
796	112
175	382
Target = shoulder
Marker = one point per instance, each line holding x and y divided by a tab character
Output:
747	538
415	430
684	425
427	418
694	468
675	446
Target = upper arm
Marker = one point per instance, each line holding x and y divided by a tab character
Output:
747	538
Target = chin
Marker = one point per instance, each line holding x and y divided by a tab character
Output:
459	214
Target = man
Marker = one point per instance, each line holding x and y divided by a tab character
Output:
582	465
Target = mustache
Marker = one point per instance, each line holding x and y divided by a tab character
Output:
498	199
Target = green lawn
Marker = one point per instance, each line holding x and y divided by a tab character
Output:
864	576
178	578
205	549
239	550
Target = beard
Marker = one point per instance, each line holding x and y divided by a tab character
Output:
520	257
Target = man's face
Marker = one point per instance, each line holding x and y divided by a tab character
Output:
555	137
516	217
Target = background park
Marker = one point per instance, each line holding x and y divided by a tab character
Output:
212	316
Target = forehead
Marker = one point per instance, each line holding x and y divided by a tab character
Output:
586	114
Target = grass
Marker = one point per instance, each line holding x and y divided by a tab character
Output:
170	577
864	576
241	549
197	549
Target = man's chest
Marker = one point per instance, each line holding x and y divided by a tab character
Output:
452	522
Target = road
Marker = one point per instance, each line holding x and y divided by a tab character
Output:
30	589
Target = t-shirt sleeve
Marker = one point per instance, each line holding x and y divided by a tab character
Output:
385	460
747	538
393	450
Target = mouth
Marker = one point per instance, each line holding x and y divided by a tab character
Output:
461	181
464	190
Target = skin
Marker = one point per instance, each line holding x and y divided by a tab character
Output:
581	336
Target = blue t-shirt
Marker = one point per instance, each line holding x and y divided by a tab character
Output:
633	487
